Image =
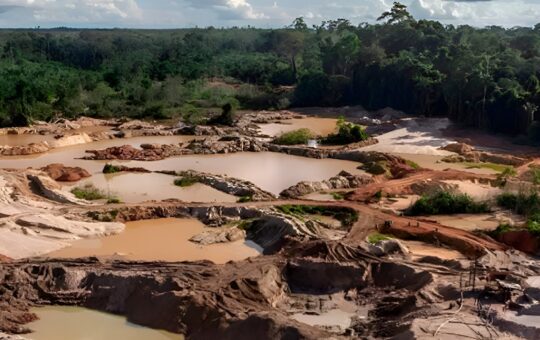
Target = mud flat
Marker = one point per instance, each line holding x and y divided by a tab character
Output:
421	249
80	323
159	240
319	126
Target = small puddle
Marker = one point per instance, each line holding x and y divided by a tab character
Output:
335	317
319	126
83	324
159	240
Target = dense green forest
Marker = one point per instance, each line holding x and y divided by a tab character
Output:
480	77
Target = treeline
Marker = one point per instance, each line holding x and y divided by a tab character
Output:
487	78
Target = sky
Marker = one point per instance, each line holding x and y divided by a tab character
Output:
258	13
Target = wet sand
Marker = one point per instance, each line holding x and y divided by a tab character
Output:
84	324
421	249
159	240
319	126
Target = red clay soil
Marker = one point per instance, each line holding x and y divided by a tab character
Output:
521	240
463	241
403	186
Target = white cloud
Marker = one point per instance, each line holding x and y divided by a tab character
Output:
70	11
229	9
261	13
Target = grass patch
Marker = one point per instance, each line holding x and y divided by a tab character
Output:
114	200
501	229
346	216
376	168
491	166
186	181
446	203
412	164
89	193
300	136
110	169
378	237
338	196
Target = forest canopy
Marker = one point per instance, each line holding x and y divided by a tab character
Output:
480	77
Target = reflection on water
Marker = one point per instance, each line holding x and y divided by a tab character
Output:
77	323
159	240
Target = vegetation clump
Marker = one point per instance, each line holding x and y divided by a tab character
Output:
227	116
347	133
89	193
245	199
524	204
110	169
446	203
376	168
186	181
300	136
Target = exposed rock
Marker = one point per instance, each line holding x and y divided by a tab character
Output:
24	150
128	152
343	180
228	185
467	153
51	190
61	173
219	236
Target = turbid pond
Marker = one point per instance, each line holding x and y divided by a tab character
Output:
85	324
273	172
160	240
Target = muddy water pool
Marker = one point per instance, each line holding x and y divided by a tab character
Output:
159	240
84	324
273	172
319	126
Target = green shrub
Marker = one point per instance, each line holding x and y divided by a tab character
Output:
376	168
89	193
245	199
501	229
443	203
110	169
186	181
114	200
347	133
338	196
521	203
300	136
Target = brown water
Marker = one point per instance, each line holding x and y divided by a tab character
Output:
75	323
139	187
319	126
273	172
159	240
